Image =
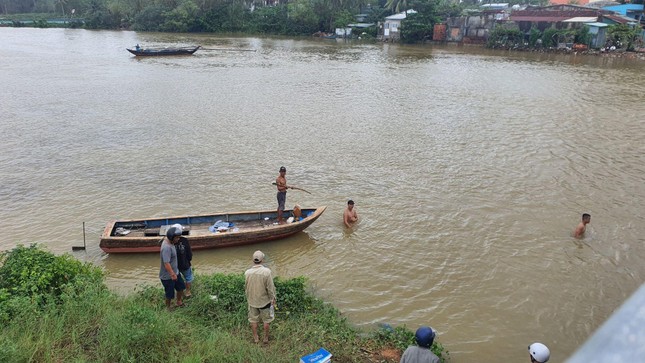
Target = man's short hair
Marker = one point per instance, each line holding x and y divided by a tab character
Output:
350	202
586	215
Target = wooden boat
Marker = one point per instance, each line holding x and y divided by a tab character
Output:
150	52
202	231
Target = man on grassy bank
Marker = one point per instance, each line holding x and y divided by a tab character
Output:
421	353
169	270
260	295
184	258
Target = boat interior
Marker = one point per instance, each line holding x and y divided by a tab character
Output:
205	224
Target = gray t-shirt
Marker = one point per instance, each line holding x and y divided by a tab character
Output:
415	354
168	254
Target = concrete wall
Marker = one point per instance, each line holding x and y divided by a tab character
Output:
470	29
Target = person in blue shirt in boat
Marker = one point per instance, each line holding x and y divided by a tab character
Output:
169	270
137	47
184	258
421	352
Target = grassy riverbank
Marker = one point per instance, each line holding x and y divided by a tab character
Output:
57	309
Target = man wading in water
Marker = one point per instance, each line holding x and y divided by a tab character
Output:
582	227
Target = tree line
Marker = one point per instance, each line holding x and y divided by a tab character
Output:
280	17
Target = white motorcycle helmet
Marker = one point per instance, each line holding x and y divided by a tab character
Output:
539	352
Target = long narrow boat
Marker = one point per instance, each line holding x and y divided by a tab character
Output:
205	231
149	52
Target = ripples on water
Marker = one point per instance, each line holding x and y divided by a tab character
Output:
470	169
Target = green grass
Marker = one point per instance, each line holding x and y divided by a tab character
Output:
82	321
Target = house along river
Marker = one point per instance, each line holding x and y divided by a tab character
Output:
469	168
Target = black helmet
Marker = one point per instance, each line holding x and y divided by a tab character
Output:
425	336
173	232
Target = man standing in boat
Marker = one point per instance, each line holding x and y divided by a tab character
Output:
281	183
169	270
260	295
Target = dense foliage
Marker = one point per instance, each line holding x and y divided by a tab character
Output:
624	36
281	17
36	274
513	38
293	17
57	309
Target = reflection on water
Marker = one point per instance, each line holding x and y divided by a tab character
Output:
286	257
469	167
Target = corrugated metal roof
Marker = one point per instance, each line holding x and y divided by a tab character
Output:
360	25
581	19
401	15
550	19
620	19
622	9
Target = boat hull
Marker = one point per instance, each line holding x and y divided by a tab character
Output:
150	52
254	227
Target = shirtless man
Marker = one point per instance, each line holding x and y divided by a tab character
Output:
582	227
281	183
350	216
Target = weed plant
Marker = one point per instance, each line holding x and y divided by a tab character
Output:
57	309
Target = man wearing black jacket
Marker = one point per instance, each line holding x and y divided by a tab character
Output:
184	258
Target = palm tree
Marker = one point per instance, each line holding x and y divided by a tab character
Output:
62	5
396	5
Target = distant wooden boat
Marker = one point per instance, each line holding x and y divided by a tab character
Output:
204	231
151	52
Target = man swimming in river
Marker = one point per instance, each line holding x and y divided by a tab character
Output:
582	227
350	216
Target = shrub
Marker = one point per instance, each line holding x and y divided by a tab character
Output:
30	271
549	38
502	37
534	36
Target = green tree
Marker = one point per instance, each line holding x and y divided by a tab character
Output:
623	36
502	37
62	4
181	19
397	5
582	35
534	35
149	18
343	18
269	19
419	27
550	38
448	9
303	19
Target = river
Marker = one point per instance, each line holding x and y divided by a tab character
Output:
470	169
